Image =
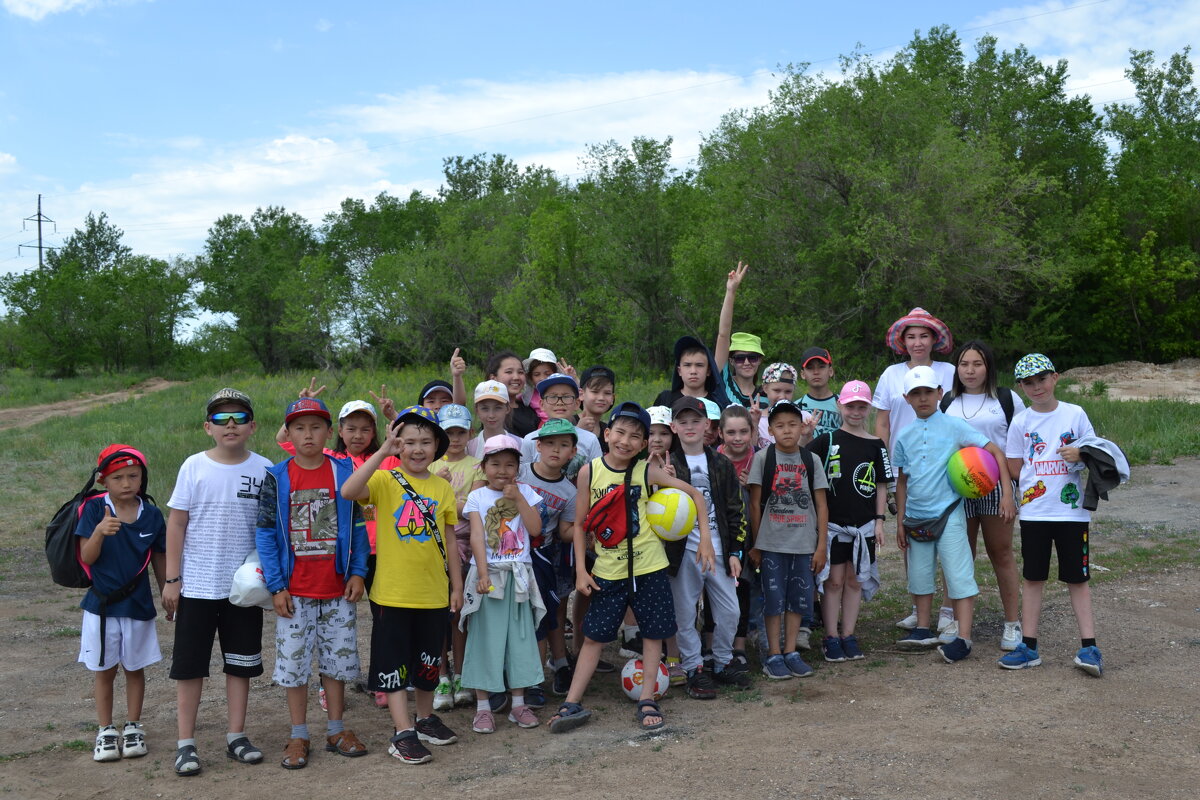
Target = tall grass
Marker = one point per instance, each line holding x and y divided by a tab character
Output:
19	388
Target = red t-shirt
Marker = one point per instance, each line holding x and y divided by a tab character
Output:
312	531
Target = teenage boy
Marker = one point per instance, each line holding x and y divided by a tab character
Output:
695	375
313	547
560	400
926	502
713	474
816	368
210	531
632	573
1040	450
411	599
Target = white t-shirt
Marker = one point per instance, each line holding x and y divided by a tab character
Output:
698	467
985	414
504	536
1050	488
222	505
889	395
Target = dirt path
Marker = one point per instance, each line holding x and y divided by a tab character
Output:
28	416
1136	380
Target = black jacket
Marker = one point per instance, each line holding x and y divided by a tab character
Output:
727	501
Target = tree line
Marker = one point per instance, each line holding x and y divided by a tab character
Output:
973	186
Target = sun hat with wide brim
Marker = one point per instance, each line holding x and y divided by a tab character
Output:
920	318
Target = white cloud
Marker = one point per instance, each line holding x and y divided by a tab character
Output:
40	9
8	162
323	26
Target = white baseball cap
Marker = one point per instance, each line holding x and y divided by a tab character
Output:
659	415
539	354
491	390
921	377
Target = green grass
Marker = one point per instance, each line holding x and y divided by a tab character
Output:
1149	431
20	388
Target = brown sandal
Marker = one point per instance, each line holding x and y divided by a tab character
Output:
295	754
346	744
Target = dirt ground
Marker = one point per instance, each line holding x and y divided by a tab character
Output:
895	725
1136	380
27	417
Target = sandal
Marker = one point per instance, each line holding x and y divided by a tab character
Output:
346	744
187	761
241	750
295	754
569	717
653	711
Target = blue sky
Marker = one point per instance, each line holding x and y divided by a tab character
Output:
169	113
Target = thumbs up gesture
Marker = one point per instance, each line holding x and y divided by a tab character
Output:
109	525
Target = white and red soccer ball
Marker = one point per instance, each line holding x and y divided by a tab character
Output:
632	678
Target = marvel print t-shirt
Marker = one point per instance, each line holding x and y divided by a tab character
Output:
1049	489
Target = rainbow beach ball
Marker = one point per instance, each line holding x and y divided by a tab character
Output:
671	514
973	472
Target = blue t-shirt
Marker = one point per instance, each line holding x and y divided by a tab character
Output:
121	557
922	450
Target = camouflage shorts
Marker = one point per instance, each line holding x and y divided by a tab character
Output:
328	626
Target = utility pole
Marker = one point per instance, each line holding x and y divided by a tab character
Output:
39	218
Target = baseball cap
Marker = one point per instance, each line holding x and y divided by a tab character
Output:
357	405
1032	364
785	406
228	395
633	411
687	403
711	409
500	443
659	415
557	379
423	414
491	390
434	386
307	407
452	415
819	353
855	392
919	377
779	372
555	427
745	343
539	354
597	372
131	457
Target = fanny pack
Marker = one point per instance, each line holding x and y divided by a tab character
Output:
928	530
609	518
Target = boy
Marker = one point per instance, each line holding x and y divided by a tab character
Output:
788	519
560	400
925	501
209	534
122	533
632	573
313	547
816	368
695	375
1039	449
411	599
713	474
597	393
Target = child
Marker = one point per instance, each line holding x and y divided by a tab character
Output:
788	519
740	354
412	598
713	474
926	502
633	573
857	468
491	406
560	400
209	534
597	393
502	642
816	368
737	445
661	438
779	383
695	375
121	533
1039	447
435	394
541	364
313	547
712	431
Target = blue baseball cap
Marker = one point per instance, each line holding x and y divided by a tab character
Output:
557	379
633	411
453	415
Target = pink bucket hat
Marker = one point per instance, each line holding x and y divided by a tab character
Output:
920	318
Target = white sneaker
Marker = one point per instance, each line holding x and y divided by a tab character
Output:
802	642
945	618
909	622
950	633
462	695
1011	636
107	748
443	696
133	740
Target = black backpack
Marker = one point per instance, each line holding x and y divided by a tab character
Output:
1003	394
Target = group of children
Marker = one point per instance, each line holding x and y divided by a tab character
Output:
469	547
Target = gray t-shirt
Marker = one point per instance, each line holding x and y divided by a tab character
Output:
558	502
789	520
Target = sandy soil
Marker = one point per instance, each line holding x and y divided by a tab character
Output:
26	417
1135	380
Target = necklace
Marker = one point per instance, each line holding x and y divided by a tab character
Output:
963	402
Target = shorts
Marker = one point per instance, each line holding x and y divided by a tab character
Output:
238	629
130	643
840	552
652	604
501	645
986	506
787	583
406	647
1070	539
542	561
325	625
954	551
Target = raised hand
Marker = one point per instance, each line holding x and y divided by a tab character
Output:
109	525
734	279
385	404
458	364
312	390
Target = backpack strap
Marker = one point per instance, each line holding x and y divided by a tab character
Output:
1005	396
629	520
430	518
769	462
947	399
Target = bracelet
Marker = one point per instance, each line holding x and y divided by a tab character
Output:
881	517
176	579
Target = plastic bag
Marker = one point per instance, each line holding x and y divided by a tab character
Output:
250	586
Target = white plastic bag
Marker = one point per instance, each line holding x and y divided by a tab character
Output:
250	586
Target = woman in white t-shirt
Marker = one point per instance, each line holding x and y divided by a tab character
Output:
989	409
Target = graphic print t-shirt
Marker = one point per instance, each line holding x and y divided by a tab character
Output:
504	534
409	569
854	466
312	532
789	521
699	478
1049	489
558	503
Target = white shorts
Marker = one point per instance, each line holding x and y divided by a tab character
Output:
329	627
132	643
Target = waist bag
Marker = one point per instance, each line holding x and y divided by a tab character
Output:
929	530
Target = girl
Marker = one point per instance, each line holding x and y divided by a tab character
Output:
737	444
989	409
540	365
491	407
501	587
507	368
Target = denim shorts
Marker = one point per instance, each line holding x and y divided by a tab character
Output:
787	581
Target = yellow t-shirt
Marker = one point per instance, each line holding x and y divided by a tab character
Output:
648	553
409	571
463	473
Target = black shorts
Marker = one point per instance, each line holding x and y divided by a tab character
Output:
238	629
841	552
1070	539
406	647
543	562
652	603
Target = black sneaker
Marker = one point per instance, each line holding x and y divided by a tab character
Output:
535	697
732	676
700	684
630	648
433	730
500	702
407	747
740	657
562	681
605	666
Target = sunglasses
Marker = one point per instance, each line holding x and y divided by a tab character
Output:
223	417
743	358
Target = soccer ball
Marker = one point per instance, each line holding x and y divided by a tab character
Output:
671	514
631	680
973	472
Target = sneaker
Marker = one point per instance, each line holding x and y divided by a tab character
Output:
949	633
802	639
955	651
1022	657
605	666
740	657
1088	659
462	696
945	618
796	665
675	672
917	639
443	696
909	622
731	675
406	746
700	684
631	648
831	646
850	648
107	748
535	697
133	740
484	722
562	680
499	701
524	717
433	730
776	669
1011	636
706	658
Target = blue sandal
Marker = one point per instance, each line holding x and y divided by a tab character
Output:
242	751
649	708
569	717
187	762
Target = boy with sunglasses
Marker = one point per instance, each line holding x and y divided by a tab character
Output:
209	534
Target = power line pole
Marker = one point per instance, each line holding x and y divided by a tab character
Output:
39	218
